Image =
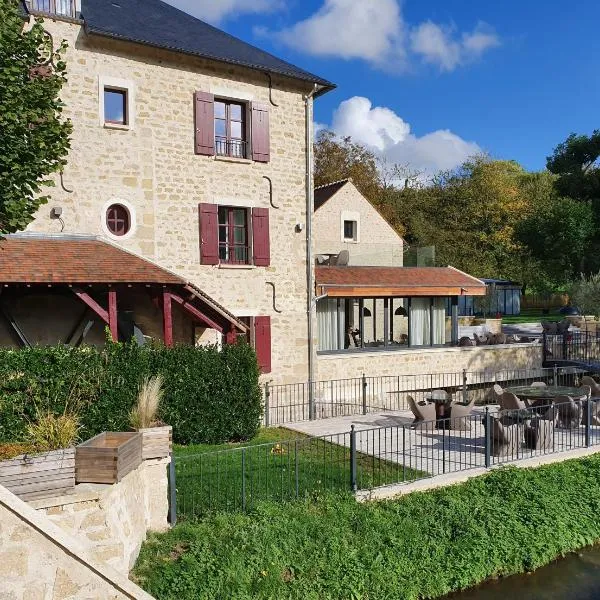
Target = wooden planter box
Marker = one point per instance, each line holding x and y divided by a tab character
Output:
41	475
108	457
156	442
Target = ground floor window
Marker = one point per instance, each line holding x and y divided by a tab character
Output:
361	323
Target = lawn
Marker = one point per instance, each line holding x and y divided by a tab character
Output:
423	545
278	464
532	316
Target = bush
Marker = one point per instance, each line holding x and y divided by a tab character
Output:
210	396
423	545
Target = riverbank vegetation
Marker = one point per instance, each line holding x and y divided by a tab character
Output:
424	545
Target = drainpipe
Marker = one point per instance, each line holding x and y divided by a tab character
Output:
310	283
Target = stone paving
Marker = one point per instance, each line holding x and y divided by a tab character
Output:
387	435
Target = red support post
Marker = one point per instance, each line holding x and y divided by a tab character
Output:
167	320
112	315
230	336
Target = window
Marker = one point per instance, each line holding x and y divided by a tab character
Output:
230	129
64	8
118	219
350	230
115	106
233	235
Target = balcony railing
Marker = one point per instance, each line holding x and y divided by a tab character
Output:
63	8
229	147
234	254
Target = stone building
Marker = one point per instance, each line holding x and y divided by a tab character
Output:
182	213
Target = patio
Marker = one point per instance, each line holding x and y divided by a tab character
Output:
388	436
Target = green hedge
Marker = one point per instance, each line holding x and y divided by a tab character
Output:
423	545
211	395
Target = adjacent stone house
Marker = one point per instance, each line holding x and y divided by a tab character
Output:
189	178
345	220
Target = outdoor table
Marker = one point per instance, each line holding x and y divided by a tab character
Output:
545	395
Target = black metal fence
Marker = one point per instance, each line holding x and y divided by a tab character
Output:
572	347
393	451
294	403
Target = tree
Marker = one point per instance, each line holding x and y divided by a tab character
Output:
585	294
558	234
34	136
337	159
574	161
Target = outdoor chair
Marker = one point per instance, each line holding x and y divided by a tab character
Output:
569	412
506	439
539	435
459	413
549	327
466	341
424	413
562	327
508	401
481	340
494	394
591	395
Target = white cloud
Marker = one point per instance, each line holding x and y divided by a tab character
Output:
376	32
389	136
215	11
349	29
437	45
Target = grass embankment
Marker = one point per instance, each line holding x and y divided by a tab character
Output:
421	546
278	464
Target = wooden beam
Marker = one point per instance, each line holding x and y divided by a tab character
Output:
15	327
112	315
69	339
230	336
167	320
85	331
192	310
85	297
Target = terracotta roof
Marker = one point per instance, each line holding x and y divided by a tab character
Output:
325	192
73	259
396	281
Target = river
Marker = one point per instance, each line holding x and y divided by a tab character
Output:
576	577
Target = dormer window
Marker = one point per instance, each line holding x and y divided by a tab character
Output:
62	8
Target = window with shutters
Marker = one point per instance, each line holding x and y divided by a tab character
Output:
230	129
234	235
234	245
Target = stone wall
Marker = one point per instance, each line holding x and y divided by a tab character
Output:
152	168
429	360
377	244
112	520
38	561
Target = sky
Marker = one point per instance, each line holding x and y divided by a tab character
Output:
428	83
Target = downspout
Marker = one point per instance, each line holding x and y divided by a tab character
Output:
310	283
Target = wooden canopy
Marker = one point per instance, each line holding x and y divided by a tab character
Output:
395	282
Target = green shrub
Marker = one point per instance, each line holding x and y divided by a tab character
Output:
423	545
210	396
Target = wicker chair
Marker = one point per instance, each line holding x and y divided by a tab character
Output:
506	439
508	401
538	384
424	413
569	412
459	413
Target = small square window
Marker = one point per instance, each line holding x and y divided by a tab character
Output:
115	106
350	229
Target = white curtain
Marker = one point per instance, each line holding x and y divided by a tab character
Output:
330	328
419	322
64	7
439	321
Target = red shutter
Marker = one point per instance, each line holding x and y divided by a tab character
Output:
262	343
261	245
260	133
204	120
209	234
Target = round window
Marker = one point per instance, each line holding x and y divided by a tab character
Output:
118	220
